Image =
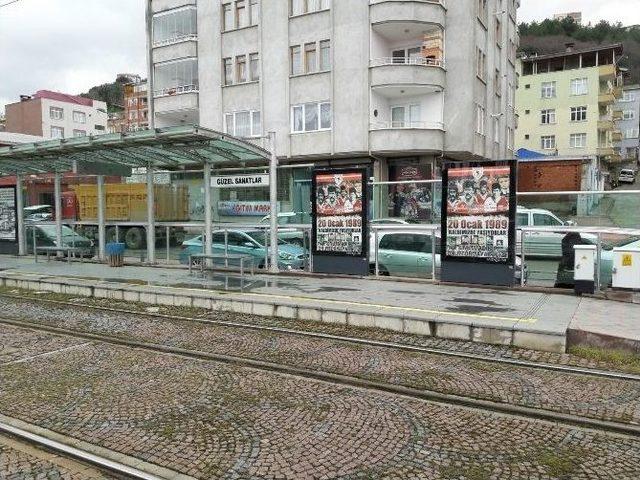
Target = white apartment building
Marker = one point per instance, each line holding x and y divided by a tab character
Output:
379	82
56	115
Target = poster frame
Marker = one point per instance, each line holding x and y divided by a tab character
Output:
364	216
15	206
513	183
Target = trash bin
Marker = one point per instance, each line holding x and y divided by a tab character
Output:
115	252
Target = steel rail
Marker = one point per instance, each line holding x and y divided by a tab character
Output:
627	429
359	341
76	453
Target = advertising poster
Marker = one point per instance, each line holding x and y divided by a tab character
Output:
411	201
8	218
478	213
339	212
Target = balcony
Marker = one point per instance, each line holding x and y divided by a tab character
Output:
407	71
406	137
606	151
616	136
606	122
607	72
617	115
176	105
384	11
606	97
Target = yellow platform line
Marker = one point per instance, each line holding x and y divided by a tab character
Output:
296	299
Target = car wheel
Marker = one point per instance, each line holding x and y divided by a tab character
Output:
382	270
134	238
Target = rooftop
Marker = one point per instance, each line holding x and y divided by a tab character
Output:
616	47
63	97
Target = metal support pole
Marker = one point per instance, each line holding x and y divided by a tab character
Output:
151	219
102	229
57	193
208	222
273	197
522	257
598	261
22	244
168	243
375	248
433	254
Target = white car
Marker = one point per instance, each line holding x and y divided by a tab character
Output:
627	176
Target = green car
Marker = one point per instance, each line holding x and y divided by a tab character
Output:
45	236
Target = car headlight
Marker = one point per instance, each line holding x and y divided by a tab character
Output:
285	256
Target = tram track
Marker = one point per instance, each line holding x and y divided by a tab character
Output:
598	373
615	427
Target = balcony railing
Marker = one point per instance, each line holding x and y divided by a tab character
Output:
421	125
177	39
421	61
169	91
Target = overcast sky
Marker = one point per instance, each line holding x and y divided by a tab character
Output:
71	45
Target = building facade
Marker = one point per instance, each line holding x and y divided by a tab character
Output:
399	85
566	103
628	109
577	16
56	115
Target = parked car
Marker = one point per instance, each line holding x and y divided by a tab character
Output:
565	273
46	237
248	242
290	235
409	254
38	213
541	244
627	175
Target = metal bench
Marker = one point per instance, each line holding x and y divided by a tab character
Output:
225	256
69	251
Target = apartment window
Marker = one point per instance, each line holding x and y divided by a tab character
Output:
579	86
548	117
628	115
57	132
499	33
497	83
79	117
227	17
510	136
174	25
254	12
241	68
628	97
548	89
242	18
310	57
56	113
631	133
578	114
408	56
254	67
296	60
325	55
405	116
548	142
178	76
311	117
578	140
496	129
300	7
79	133
480	116
228	71
317	57
245	123
481	64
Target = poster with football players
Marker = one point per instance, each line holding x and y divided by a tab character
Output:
478	212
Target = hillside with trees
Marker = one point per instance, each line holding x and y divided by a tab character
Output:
112	93
550	36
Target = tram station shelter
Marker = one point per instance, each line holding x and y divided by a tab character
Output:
116	156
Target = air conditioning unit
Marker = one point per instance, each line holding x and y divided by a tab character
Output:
626	268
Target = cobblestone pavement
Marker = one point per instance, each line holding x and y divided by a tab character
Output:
494	351
21	461
213	420
16	346
608	399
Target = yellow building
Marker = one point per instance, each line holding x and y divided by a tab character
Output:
565	102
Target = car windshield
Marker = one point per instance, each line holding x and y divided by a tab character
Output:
50	231
260	238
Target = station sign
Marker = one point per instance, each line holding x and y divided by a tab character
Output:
240	181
